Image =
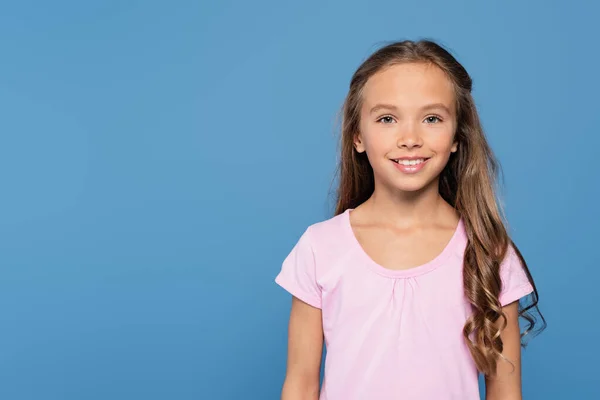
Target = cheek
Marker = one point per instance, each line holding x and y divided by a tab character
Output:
377	140
441	142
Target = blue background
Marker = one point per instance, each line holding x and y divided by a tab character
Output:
158	160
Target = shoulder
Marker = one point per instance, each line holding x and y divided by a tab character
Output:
328	233
514	275
328	226
511	259
324	242
318	248
324	234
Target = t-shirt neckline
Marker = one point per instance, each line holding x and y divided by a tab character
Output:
402	273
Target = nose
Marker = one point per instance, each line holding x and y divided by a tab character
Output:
409	137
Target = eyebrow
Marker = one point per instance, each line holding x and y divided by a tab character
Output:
427	107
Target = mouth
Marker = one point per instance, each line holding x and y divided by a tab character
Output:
410	162
410	166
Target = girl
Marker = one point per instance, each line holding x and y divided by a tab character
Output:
413	285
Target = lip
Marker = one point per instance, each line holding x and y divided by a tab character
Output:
410	169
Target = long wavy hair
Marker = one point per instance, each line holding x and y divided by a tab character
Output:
468	183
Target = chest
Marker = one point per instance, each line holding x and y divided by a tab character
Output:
398	250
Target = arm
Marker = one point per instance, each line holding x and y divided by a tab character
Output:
305	349
506	385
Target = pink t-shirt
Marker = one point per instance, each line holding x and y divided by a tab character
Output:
390	334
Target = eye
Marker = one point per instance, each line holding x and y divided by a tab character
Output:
435	117
387	118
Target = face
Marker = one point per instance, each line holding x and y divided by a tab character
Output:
407	125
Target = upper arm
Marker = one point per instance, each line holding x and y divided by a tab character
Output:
305	348
299	277
507	382
515	285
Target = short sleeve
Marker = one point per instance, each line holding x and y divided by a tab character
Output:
298	272
515	283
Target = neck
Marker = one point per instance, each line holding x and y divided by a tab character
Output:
408	209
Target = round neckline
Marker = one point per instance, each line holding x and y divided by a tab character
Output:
402	273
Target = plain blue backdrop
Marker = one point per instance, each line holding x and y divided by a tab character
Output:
158	160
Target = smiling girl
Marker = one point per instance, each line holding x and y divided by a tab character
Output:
413	285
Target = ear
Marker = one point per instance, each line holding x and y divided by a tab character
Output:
454	147
358	144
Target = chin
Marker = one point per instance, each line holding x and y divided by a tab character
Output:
410	188
412	184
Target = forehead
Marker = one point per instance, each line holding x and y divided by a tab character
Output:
409	86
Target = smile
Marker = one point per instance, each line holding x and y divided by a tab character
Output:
410	166
410	162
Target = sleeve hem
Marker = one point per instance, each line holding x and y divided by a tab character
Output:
516	294
295	291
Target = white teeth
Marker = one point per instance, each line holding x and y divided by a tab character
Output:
410	162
